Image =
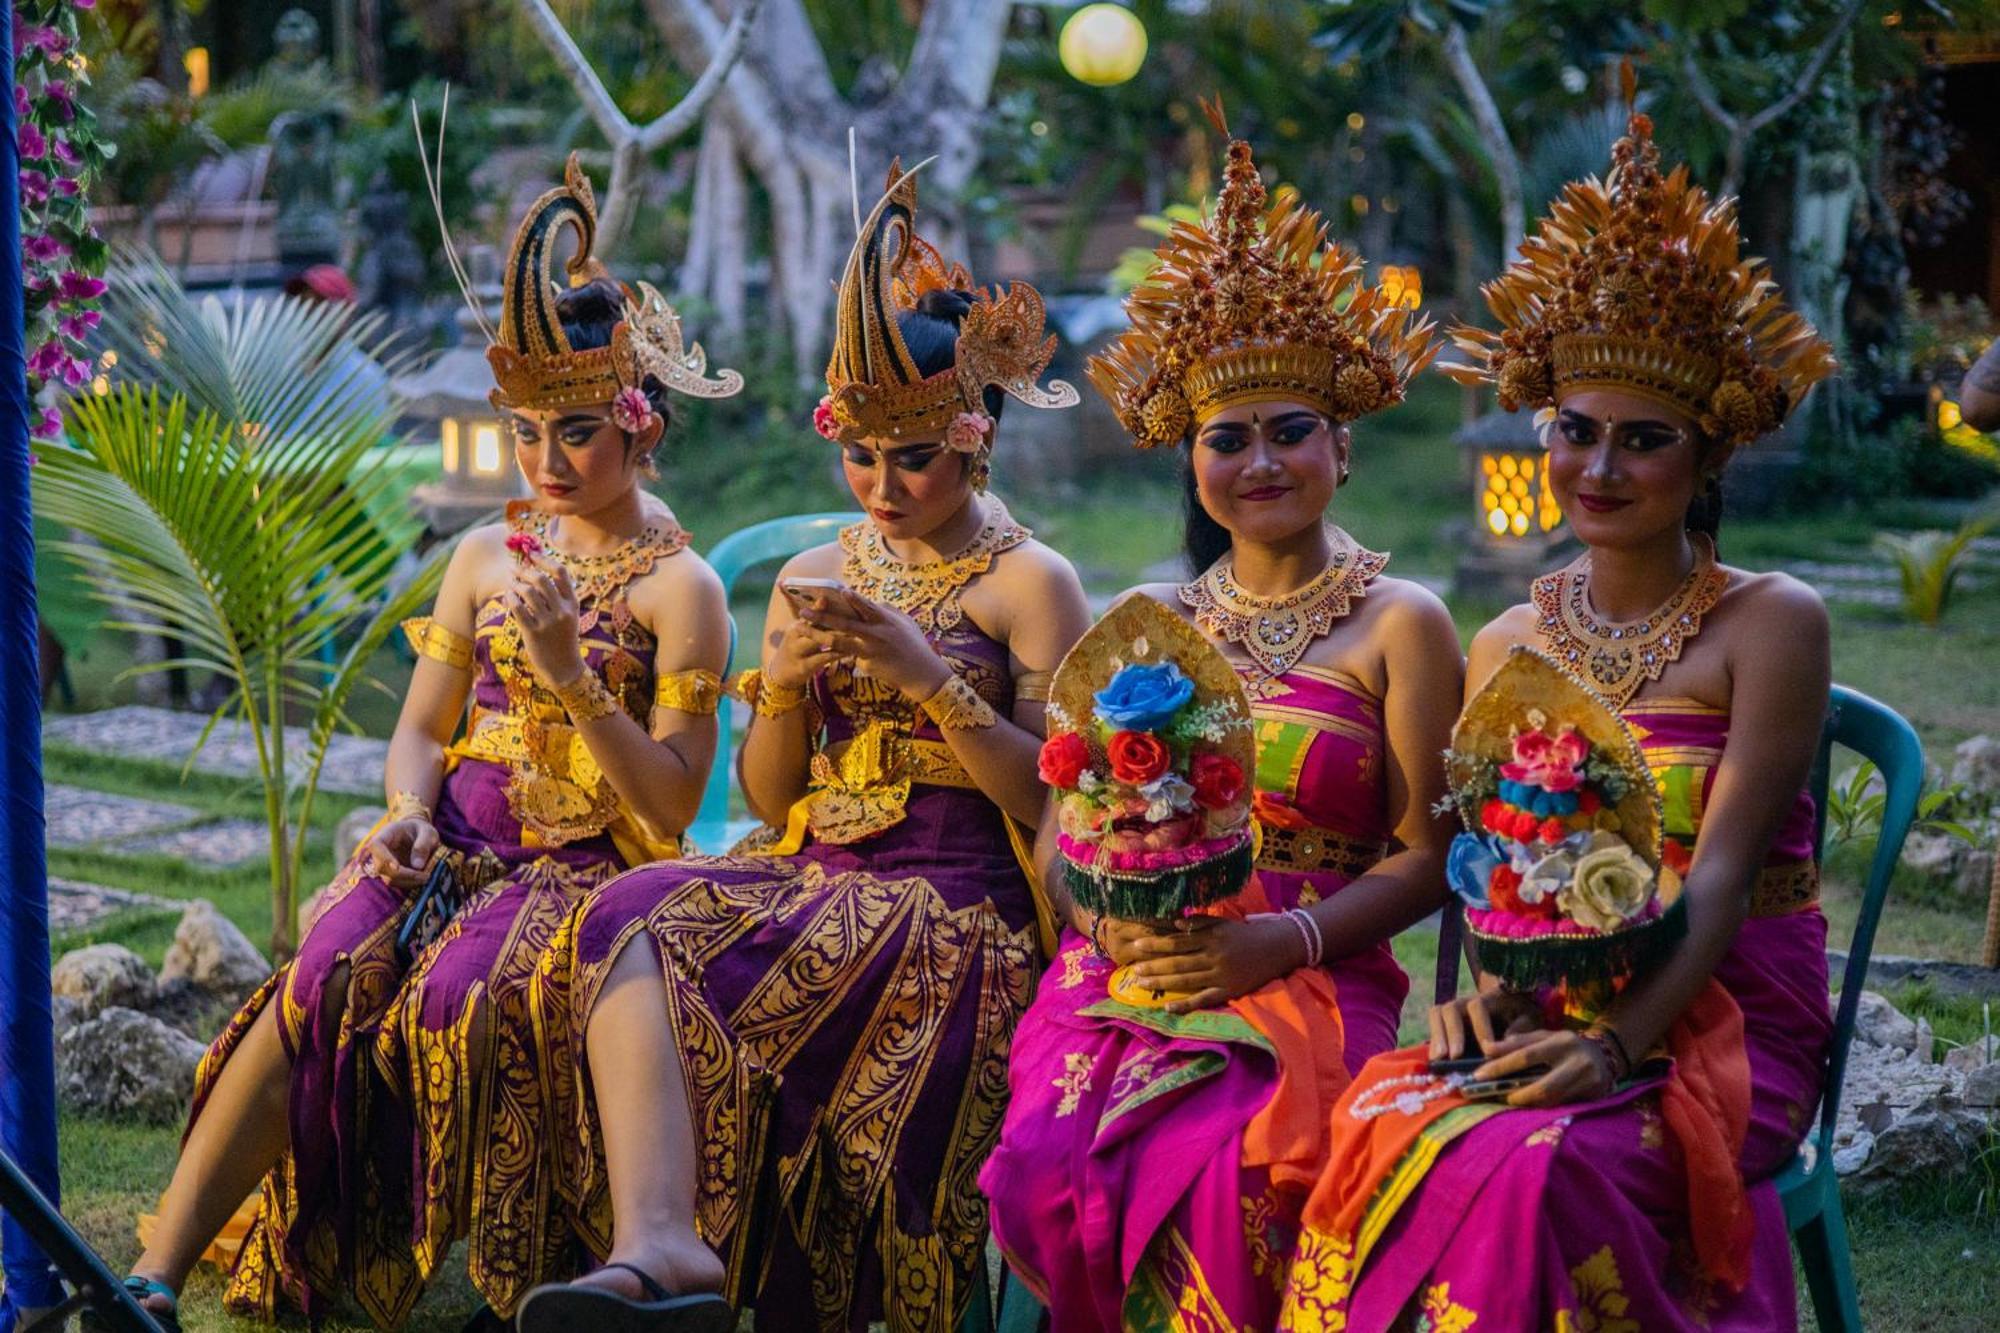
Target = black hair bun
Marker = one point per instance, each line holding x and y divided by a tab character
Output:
599	301
949	304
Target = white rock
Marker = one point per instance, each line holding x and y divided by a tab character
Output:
1926	1042
349	832
1974	876
1879	1023
210	951
1934	855
126	1064
1854	1155
99	976
1982	1086
1974	1054
1976	763
1935	1140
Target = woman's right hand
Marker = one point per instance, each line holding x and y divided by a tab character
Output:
801	653
402	850
1485	1018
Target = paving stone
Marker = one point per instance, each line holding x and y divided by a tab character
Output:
78	817
223	845
74	905
353	763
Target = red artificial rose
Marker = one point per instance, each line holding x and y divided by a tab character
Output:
1676	857
1137	756
1064	756
1217	779
1589	803
1274	811
1503	891
1553	830
1490	816
1524	826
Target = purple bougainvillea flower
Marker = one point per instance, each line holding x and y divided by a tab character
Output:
65	154
33	144
80	325
34	188
43	248
78	286
48	425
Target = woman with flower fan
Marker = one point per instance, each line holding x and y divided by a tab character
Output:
1172	1081
1637	863
383	1084
787	1064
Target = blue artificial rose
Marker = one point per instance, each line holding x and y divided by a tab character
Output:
1469	866
1144	698
1535	801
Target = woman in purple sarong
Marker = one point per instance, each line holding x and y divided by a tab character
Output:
1154	1158
789	1063
390	1106
1607	1194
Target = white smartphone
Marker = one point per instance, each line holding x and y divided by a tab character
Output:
806	594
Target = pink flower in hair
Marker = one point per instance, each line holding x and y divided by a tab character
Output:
968	431
631	410
823	421
523	544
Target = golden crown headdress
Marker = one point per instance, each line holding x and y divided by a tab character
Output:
1638	284
532	361
874	389
1250	303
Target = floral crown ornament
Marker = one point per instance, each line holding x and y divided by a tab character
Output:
532	361
1150	753
874	389
1560	865
1637	284
1251	303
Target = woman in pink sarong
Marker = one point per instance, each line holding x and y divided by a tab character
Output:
1619	1191
1151	1166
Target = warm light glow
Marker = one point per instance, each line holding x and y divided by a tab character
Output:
1520	523
1515	498
1948	415
448	440
1509	466
486	449
1401	284
1102	45
1359	203
109	359
196	63
101	385
1355	120
1496	519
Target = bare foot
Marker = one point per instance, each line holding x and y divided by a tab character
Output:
680	1263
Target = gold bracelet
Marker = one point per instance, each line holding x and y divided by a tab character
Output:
1034	686
407	805
766	699
693	691
585	699
958	707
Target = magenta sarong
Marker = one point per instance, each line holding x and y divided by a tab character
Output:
1121	1187
1575	1217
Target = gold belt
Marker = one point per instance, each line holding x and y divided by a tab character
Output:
1790	886
1308	851
879	760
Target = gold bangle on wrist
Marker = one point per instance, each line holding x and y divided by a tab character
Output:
407	805
956	706
585	699
766	698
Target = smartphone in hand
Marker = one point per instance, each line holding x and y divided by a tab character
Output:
818	595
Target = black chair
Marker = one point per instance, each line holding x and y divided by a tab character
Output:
91	1284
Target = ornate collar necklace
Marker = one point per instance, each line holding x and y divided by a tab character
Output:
1276	631
599	580
1616	658
927	592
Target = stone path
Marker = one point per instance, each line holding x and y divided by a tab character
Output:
74	905
128	825
353	763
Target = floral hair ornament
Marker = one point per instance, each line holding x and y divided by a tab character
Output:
1150	753
1255	302
968	432
1637	284
874	389
1560	865
631	410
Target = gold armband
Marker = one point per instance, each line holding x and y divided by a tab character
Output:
430	639
585	699
958	707
1034	687
406	805
695	691
766	699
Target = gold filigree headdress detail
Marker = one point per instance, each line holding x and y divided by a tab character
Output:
874	389
1255	302
1637	283
532	360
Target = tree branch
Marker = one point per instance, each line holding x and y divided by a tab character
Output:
1500	152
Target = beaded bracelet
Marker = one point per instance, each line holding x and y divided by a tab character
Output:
767	699
408	805
1606	1038
1316	945
585	699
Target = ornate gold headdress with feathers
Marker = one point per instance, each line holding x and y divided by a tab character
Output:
532	360
1255	302
874	389
1637	283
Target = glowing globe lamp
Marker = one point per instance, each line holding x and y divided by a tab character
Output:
1102	45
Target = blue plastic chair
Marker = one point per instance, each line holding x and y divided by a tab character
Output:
1810	1193
1808	1188
733	557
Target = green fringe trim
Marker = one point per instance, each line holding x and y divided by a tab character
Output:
1160	895
1568	960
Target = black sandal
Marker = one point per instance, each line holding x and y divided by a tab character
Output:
564	1306
139	1288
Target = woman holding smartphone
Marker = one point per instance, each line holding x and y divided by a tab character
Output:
383	1091
1616	1190
790	1062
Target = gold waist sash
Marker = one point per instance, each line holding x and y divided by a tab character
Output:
1789	886
861	786
1322	851
557	791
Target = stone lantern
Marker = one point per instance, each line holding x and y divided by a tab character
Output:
450	395
1517	530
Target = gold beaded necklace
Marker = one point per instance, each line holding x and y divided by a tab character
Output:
1615	658
928	592
1277	631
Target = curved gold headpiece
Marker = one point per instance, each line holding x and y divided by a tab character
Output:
532	361
874	389
1638	284
1255	303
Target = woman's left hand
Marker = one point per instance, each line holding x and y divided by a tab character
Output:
544	606
883	644
1579	1068
1219	960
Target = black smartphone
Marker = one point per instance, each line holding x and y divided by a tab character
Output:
437	903
1462	1065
